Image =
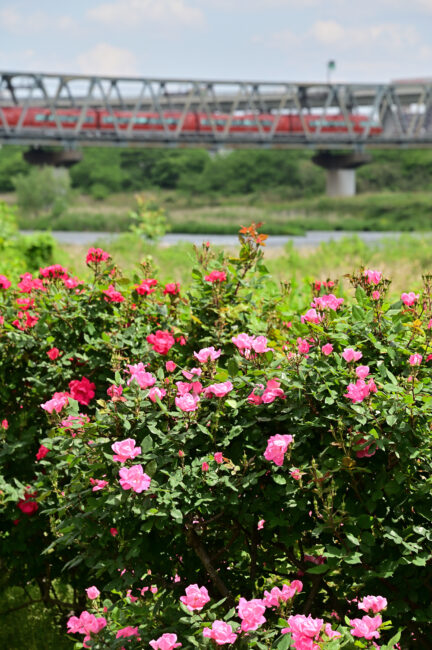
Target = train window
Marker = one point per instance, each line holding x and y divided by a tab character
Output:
140	120
41	117
171	120
107	119
155	121
221	122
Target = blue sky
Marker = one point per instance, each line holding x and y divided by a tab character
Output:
279	40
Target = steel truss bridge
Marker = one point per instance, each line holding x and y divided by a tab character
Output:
402	112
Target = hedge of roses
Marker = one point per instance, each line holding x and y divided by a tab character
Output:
233	464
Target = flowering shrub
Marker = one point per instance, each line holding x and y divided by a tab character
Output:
280	460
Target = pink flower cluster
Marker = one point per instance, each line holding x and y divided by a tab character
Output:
372	277
307	632
187	402
25	320
269	394
4	282
29	283
172	288
360	390
195	598
415	359
246	343
54	271
277	447
216	276
56	403
138	373
311	316
328	301
410	298
277	596
161	342
86	624
111	295
96	255
146	287
134	478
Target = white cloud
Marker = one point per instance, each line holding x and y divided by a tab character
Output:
25	23
135	13
105	59
330	32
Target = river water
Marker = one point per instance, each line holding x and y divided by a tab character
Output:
310	239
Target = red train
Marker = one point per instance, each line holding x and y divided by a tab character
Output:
103	120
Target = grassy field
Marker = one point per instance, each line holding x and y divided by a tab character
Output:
392	211
404	259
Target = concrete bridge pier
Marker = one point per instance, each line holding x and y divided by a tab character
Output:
54	158
340	169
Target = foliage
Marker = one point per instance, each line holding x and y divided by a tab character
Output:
43	190
347	509
12	164
19	254
150	219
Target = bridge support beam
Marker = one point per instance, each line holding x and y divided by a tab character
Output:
340	169
65	158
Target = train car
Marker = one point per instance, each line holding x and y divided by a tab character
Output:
104	121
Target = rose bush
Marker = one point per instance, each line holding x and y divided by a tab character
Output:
226	439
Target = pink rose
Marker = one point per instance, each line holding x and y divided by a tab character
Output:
349	354
83	390
195	598
302	345
146	287
376	295
115	392
410	298
96	255
187	402
170	366
218	390
126	632
220	632
218	457
207	354
4	282
259	345
261	524
134	478
327	349
98	484
92	592
415	359
251	613
165	642
372	277
161	342
276	448
138	373
58	401
373	603
125	450
311	316
111	295
172	288
42	452
205	467
216	276
243	342
53	353
366	627
362	371
156	393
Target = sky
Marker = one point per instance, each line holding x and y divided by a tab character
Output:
266	40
